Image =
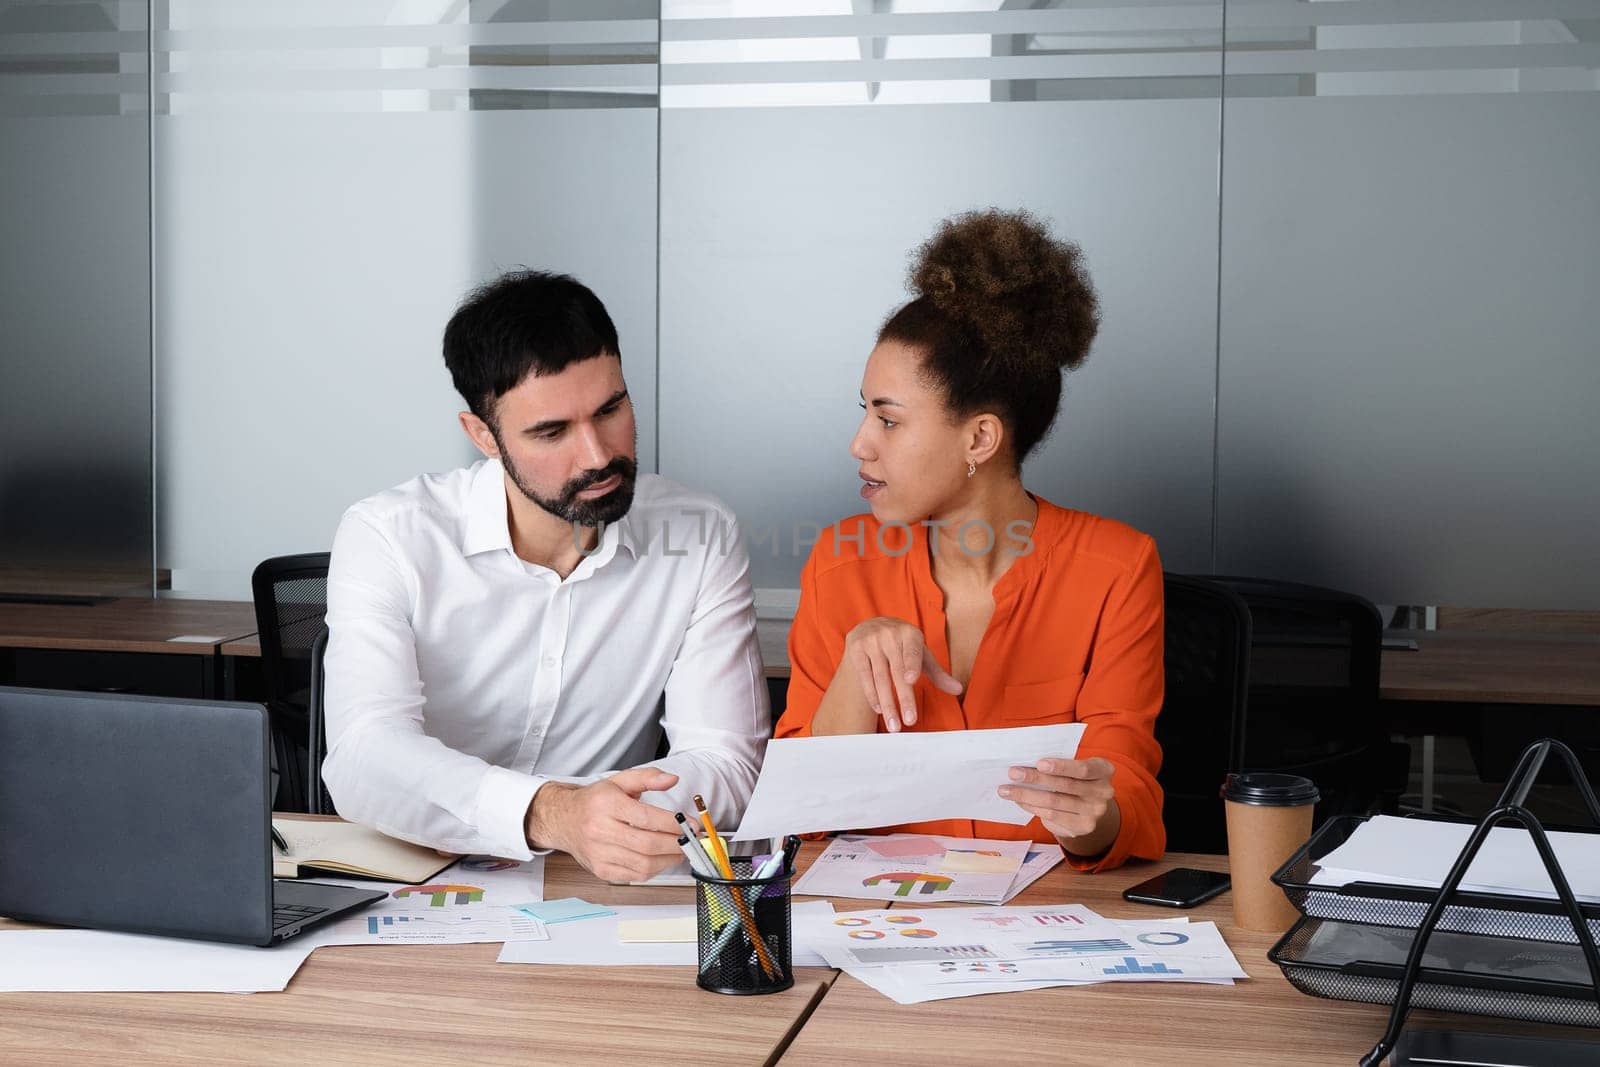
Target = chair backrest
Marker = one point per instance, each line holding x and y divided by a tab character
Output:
291	599
318	802
1313	703
1202	720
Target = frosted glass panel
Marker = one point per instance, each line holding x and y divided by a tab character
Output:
1408	359
312	244
785	235
75	494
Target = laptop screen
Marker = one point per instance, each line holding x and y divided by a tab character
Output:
145	814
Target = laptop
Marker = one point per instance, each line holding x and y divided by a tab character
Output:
146	814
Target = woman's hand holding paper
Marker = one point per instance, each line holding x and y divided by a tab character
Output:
1074	800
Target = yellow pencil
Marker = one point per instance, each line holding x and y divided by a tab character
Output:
718	853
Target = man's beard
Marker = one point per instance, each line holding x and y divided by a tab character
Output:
566	506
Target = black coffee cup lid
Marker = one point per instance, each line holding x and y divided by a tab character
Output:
1267	789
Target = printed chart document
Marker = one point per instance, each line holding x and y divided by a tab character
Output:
915	868
859	781
912	955
477	900
452	926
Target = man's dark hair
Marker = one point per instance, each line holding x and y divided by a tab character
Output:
524	322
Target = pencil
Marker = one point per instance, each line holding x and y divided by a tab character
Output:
714	843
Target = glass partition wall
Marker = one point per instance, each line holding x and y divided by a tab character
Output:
1346	252
1409	363
75	422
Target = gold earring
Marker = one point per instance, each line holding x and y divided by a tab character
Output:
972	468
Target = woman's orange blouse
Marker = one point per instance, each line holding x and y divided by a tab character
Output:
1076	636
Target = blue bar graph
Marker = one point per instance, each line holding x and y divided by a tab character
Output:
387	920
1131	965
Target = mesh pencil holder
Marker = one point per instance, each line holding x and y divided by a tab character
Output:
743	930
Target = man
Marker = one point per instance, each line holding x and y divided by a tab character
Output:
501	637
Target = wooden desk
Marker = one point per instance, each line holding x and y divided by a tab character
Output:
426	1004
248	647
127	625
1263	1022
1486	668
124	645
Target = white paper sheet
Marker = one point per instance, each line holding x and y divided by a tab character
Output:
1041	859
909	934
1421	852
476	882
594	942
473	901
1160	950
80	961
861	781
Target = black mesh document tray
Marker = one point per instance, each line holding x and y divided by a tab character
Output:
1512	978
1490	914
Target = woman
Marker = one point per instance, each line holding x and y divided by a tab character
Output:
963	601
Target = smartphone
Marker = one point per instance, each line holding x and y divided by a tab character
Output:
1181	887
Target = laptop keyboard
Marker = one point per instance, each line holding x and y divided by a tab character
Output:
289	914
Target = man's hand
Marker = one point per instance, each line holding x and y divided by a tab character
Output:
1073	799
606	827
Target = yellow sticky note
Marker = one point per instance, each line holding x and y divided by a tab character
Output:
680	930
979	862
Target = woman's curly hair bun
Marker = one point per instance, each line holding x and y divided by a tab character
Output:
1023	293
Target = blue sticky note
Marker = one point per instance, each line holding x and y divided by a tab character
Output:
567	909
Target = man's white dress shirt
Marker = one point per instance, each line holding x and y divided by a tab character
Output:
460	678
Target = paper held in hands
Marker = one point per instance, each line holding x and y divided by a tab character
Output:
861	781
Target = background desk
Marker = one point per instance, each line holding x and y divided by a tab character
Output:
122	644
1498	691
1481	668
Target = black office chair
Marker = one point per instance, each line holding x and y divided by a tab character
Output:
1313	701
1201	725
291	598
318	802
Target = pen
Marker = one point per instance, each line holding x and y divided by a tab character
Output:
277	839
791	849
769	868
697	860
687	827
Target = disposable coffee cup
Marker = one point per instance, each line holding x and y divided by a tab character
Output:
1269	817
